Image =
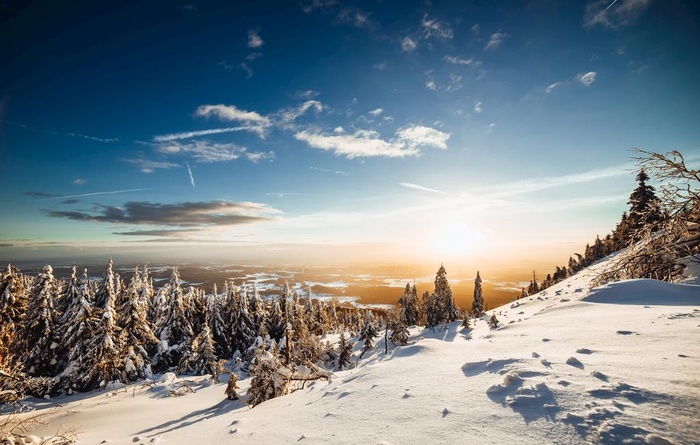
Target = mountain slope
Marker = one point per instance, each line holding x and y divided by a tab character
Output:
616	364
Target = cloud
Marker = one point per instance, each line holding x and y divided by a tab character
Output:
207	152
70	201
162	232
309	6
477	106
408	45
149	166
435	28
193	134
613	14
79	181
379	66
335	172
407	141
421	188
496	40
255	121
588	78
459	61
432	86
92	138
189	171
187	214
291	114
306	94
248	70
476	29
254	40
50	197
551	88
376	112
418	135
42	195
363	143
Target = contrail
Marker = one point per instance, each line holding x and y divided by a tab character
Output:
94	194
614	1
189	170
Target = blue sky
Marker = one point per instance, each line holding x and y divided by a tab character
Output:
421	130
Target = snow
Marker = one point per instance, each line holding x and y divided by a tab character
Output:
571	365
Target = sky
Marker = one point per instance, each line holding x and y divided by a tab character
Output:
329	130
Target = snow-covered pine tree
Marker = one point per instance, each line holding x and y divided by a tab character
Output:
174	330
136	338
433	309
493	321
368	333
13	307
344	352
201	358
215	321
258	313
268	378
40	334
232	386
644	206
107	288
399	330
78	330
99	362
243	331
276	324
478	304
450	312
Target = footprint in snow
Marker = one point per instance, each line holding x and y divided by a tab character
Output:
573	361
545	340
626	333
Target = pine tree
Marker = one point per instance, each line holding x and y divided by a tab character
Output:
136	337
368	334
443	293
215	321
174	329
478	304
399	330
243	330
200	358
344	352
267	380
275	322
107	289
231	387
644	206
409	306
40	333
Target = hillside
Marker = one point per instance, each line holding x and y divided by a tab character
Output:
615	364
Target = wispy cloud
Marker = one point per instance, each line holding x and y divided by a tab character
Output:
187	214
254	40
408	45
435	28
431	85
476	29
194	134
460	61
613	14
477	106
253	120
587	78
79	181
291	114
149	166
421	188
92	138
189	171
407	141
306	94
325	170
50	197
496	40
207	152
376	112
551	87
248	70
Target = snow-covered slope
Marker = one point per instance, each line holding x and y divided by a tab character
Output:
616	364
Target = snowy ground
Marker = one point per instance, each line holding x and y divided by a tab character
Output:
617	364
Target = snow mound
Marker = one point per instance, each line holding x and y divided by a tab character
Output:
646	291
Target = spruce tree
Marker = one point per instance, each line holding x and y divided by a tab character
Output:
40	333
344	352
368	334
478	304
266	380
174	329
644	206
449	311
215	321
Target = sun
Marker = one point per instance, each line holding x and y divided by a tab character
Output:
455	240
